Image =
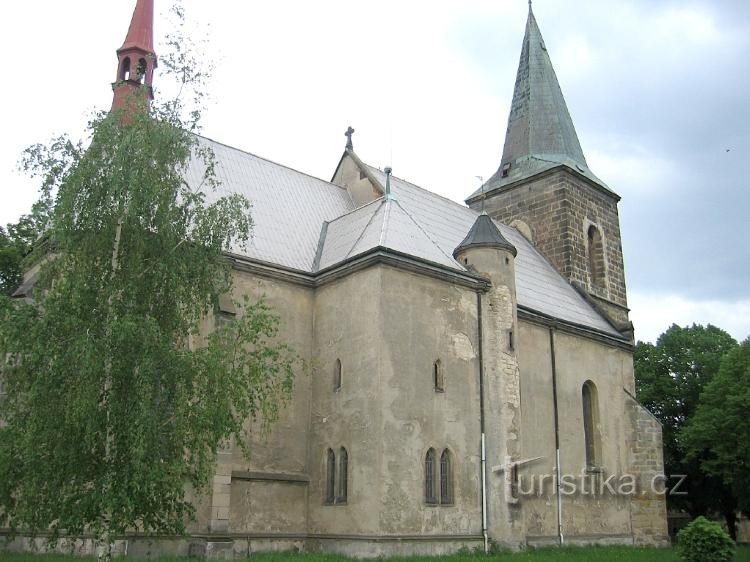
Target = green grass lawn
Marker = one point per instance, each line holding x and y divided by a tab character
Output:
595	554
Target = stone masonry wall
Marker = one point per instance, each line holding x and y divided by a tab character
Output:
559	207
648	509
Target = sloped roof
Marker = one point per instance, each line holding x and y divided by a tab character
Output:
288	207
540	134
384	223
306	224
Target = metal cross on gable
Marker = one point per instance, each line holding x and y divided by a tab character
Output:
348	134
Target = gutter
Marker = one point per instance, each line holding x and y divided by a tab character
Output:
483	448
553	362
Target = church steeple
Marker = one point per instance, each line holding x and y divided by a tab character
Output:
540	132
136	58
546	190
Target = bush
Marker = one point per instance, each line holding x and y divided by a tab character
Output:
705	541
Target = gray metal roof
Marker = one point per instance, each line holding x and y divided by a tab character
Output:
288	207
307	224
540	133
485	234
384	223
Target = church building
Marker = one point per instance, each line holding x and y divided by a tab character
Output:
473	380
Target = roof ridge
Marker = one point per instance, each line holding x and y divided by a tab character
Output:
242	150
443	197
422	229
379	199
361	234
321	245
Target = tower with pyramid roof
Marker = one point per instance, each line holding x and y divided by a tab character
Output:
546	189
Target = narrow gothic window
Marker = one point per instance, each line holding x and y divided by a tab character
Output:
596	256
430	496
337	376
330	477
343	476
590	420
437	376
446	488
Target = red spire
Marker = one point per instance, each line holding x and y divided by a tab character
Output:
136	57
141	32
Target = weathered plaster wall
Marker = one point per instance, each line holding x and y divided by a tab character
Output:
425	320
347	326
280	451
591	517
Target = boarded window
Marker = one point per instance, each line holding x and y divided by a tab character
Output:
596	257
430	495
343	476
446	478
330	477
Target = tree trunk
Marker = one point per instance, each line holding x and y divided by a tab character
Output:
731	519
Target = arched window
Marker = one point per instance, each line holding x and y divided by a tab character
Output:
337	376
438	377
446	478
590	424
330	477
124	70
141	70
596	256
430	495
343	476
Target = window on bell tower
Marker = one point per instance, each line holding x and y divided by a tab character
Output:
595	250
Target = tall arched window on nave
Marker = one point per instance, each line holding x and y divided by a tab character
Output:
430	493
446	478
330	477
590	424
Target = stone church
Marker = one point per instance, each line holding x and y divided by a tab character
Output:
466	355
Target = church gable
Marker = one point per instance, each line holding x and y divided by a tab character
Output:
356	177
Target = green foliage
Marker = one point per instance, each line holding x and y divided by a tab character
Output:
16	242
718	435
670	377
116	398
705	541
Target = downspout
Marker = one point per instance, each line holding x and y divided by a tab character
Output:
483	448
557	435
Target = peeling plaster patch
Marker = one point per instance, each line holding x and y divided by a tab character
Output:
463	347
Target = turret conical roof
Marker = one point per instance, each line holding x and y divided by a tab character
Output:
485	234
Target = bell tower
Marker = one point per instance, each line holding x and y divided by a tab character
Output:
136	59
546	190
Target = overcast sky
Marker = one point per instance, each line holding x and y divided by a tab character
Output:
658	91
